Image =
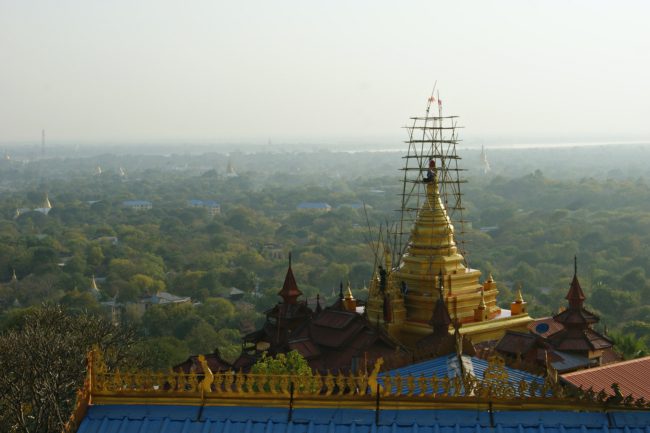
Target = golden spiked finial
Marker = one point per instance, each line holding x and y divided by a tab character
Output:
518	306
349	302
519	298
348	295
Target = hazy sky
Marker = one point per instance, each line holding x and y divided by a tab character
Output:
318	71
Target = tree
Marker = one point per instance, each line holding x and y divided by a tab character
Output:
43	357
290	363
629	345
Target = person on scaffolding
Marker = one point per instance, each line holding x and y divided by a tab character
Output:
431	172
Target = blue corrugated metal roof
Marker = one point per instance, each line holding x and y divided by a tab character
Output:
225	419
449	367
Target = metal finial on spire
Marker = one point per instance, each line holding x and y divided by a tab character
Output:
575	264
289	258
341	290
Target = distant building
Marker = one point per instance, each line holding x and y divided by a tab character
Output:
236	294
137	204
162	298
273	251
211	206
357	205
45	208
230	170
317	206
107	239
484	161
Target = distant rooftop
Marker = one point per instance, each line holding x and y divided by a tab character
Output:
136	203
314	205
207	203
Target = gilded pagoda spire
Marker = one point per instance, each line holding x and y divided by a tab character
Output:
432	258
93	287
433	255
432	238
349	302
46	202
518	306
519	298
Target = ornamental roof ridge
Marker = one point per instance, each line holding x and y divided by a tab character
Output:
361	390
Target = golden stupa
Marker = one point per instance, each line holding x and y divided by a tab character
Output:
402	298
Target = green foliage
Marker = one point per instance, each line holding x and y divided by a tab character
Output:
161	353
629	345
291	363
540	213
43	353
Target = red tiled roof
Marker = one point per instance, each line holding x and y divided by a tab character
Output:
633	377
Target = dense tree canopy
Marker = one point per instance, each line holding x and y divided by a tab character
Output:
528	219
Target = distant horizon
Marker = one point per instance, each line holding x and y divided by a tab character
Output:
165	148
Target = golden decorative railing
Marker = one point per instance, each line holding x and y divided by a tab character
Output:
495	388
367	391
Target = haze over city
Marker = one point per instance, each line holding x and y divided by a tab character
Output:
321	73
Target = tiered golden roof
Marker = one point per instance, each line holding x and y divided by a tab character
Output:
411	289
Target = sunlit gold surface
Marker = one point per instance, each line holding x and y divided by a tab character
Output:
495	390
432	254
